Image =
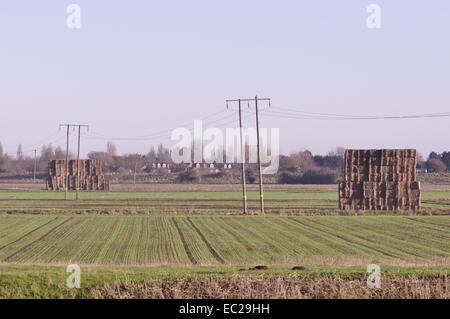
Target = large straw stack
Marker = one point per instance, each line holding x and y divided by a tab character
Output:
90	173
380	180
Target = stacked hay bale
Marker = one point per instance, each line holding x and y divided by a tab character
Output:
380	180
90	172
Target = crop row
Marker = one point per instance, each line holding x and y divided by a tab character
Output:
147	240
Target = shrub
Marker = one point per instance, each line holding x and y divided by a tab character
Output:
289	178
310	177
189	176
319	177
250	175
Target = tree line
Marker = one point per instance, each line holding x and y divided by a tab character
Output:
298	167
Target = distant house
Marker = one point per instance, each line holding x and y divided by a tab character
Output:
421	170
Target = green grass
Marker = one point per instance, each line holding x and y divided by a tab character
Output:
178	195
37	281
215	240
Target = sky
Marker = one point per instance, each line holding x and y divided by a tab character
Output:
136	68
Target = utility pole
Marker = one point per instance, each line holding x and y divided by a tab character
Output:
78	160
135	168
256	100
34	169
261	193
66	188
244	190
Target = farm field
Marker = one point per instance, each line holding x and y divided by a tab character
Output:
216	240
190	241
280	200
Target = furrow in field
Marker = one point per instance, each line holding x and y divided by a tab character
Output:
264	242
319	243
197	246
49	248
27	234
210	248
231	249
19	225
9	224
442	226
290	244
24	248
422	227
183	240
169	243
351	240
82	242
261	247
105	238
376	242
60	246
388	238
334	245
237	233
382	240
403	235
142	238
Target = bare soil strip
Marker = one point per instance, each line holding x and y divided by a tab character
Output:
210	248
35	241
183	240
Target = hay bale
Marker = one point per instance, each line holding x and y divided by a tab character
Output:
380	180
89	173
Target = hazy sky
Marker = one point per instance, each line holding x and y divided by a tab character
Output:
140	67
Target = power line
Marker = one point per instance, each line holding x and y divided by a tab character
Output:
159	134
303	115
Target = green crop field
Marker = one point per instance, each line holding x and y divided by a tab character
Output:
215	240
195	240
301	201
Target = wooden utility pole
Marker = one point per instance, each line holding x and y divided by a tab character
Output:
78	160
34	169
261	194
66	188
135	168
244	189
